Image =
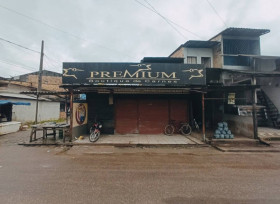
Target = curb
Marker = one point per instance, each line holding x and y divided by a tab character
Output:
120	145
262	141
144	145
41	144
245	150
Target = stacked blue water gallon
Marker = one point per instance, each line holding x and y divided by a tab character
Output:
223	132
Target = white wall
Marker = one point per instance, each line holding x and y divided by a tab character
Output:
46	110
240	125
261	65
198	52
265	65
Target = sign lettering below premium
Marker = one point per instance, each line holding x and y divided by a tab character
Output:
133	74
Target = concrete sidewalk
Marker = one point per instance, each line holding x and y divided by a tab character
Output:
267	133
138	139
243	144
129	140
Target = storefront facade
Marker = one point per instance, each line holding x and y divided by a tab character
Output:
133	98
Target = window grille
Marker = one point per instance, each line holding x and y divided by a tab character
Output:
191	60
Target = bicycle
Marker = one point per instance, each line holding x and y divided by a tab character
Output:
183	128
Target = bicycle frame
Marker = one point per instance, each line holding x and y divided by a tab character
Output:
177	127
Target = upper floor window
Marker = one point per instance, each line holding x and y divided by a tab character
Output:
237	60
191	60
206	61
236	46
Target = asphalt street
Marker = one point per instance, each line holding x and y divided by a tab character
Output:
87	174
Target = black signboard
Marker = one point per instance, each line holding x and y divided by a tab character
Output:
133	74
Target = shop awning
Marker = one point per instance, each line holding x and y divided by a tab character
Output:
4	102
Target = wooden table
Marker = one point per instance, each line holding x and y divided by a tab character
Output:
48	127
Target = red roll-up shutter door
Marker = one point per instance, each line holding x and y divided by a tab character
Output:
153	116
126	116
148	116
179	110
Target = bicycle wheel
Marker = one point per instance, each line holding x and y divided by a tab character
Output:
169	130
94	136
186	129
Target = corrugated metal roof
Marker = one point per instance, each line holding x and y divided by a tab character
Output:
200	44
44	73
253	73
3	102
162	60
250	32
21	96
50	92
16	95
264	57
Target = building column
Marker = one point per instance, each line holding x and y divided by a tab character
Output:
255	120
71	114
203	117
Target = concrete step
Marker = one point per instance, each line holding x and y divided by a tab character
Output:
235	141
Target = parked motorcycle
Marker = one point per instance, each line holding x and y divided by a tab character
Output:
95	131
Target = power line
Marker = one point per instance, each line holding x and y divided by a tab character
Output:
26	67
19	45
20	66
53	60
167	19
60	30
50	64
211	5
39	21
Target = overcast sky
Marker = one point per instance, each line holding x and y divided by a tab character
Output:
121	30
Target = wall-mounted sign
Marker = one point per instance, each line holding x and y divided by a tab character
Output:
231	98
133	74
80	111
83	97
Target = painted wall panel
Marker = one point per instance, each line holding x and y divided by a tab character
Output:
46	111
80	114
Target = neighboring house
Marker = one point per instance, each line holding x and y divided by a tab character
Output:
49	107
50	80
236	52
196	52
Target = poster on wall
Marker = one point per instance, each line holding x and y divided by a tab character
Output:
80	114
231	98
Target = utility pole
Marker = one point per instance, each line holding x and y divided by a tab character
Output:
39	81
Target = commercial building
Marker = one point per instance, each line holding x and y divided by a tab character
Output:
236	53
134	98
211	81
